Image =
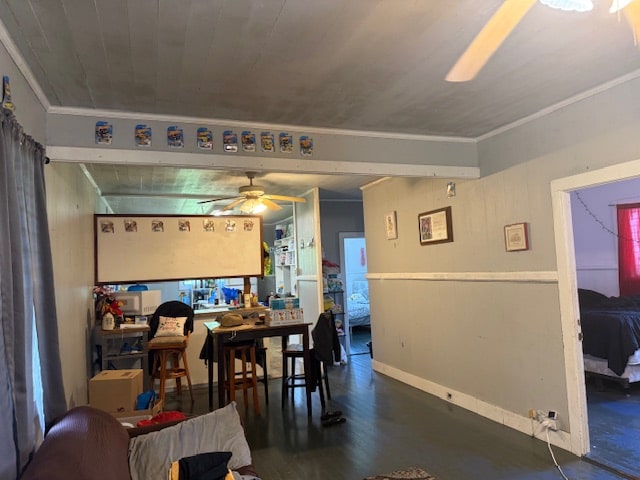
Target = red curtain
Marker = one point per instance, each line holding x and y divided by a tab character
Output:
629	248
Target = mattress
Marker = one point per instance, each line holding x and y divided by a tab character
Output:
598	365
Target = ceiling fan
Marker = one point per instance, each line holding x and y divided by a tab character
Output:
507	17
252	198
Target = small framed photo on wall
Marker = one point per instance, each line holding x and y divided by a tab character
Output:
390	225
516	237
435	226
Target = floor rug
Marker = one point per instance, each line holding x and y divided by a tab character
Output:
413	473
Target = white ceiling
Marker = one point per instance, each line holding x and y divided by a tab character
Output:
368	65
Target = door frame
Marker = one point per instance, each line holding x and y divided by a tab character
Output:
568	290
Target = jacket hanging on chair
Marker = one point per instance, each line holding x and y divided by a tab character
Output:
325	339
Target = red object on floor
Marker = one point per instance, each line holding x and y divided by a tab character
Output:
163	417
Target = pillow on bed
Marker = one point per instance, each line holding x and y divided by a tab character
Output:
358	298
151	455
590	298
361	287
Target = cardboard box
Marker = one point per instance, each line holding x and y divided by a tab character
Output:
115	390
287	303
133	417
285	317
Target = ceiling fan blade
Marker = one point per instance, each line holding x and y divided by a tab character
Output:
632	14
218	199
272	205
489	40
234	203
285	198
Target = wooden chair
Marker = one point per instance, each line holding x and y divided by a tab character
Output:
326	344
168	351
292	379
241	380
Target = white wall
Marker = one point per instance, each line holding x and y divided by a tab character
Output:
594	230
70	206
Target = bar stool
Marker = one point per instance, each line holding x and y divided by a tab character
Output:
167	354
167	351
246	353
263	361
292	380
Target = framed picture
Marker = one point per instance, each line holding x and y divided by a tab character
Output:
516	237
390	225
435	226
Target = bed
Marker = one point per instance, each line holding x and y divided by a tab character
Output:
611	336
358	304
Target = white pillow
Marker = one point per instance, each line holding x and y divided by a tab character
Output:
151	455
358	298
171	326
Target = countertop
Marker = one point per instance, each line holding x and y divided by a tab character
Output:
222	309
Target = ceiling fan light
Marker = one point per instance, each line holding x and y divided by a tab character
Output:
570	5
252	205
617	5
248	205
261	207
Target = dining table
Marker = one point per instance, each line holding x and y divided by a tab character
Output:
252	329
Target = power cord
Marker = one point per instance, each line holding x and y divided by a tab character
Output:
552	455
546	420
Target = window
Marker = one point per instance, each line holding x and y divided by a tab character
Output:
629	248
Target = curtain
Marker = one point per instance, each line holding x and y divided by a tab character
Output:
629	248
27	300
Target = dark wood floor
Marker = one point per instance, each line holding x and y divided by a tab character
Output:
389	426
614	425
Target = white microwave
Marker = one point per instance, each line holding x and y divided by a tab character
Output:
139	303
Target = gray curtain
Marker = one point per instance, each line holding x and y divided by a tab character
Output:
27	298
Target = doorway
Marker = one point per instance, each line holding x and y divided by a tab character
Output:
562	198
613	411
357	318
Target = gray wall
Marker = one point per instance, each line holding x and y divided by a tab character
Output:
484	339
494	337
336	217
28	109
79	130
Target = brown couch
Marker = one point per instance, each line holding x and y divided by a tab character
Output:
89	444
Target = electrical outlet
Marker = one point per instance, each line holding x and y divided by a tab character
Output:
548	419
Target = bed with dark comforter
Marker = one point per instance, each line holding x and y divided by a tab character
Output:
611	335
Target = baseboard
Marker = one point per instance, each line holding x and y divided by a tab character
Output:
520	423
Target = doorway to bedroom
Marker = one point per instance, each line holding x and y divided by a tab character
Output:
357	318
612	398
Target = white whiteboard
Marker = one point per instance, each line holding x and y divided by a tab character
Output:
145	248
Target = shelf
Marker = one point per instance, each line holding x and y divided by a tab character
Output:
282	240
114	356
